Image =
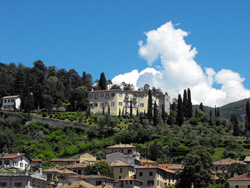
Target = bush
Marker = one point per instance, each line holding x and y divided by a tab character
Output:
45	114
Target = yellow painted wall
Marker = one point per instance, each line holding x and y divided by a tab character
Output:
126	171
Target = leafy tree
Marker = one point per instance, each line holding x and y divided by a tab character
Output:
74	78
102	168
87	80
150	103
48	102
197	169
180	114
127	87
52	71
115	86
237	168
79	98
102	82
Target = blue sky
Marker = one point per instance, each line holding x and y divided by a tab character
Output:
102	36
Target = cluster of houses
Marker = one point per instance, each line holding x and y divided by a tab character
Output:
130	171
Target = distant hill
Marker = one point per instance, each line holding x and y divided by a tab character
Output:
238	108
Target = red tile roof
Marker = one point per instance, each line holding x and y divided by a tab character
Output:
96	177
243	177
64	160
53	170
155	167
11	155
8	97
147	161
119	163
247	159
227	162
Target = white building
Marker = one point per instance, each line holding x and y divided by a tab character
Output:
11	103
15	160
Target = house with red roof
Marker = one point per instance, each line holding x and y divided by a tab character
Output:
15	161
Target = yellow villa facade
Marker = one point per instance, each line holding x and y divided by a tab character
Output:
119	101
122	170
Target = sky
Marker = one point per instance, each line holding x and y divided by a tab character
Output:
172	44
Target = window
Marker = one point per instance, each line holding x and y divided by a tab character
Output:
21	164
96	96
106	104
120	177
112	94
5	101
90	96
12	100
150	182
140	173
120	103
107	95
96	104
237	186
101	104
120	94
8	100
142	95
131	183
15	163
102	95
248	186
98	182
3	185
112	103
120	170
141	104
150	173
7	162
91	105
17	185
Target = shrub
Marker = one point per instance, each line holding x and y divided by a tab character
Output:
45	114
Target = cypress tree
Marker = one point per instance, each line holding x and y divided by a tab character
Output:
185	104
28	102
103	82
108	110
149	105
201	107
180	115
119	112
163	113
155	114
215	111
218	112
190	105
131	109
235	123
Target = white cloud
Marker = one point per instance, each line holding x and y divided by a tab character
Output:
178	70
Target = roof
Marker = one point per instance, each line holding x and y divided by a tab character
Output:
121	146
64	160
96	177
9	97
76	184
147	161
11	155
172	166
228	161
54	170
243	177
119	163
247	159
36	160
155	167
131	178
123	91
77	165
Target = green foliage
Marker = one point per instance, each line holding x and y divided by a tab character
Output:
103	168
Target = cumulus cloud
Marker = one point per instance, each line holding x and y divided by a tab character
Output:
178	70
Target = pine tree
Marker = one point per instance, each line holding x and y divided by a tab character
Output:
137	112
103	82
180	115
247	117
150	102
163	113
19	82
190	106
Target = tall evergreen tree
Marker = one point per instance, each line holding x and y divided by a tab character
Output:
19	81
235	123
163	115
218	112
27	99
131	108
103	82
180	114
247	117
185	104
190	105
155	114
201	107
215	111
150	103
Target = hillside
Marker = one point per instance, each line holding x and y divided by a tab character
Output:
238	108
